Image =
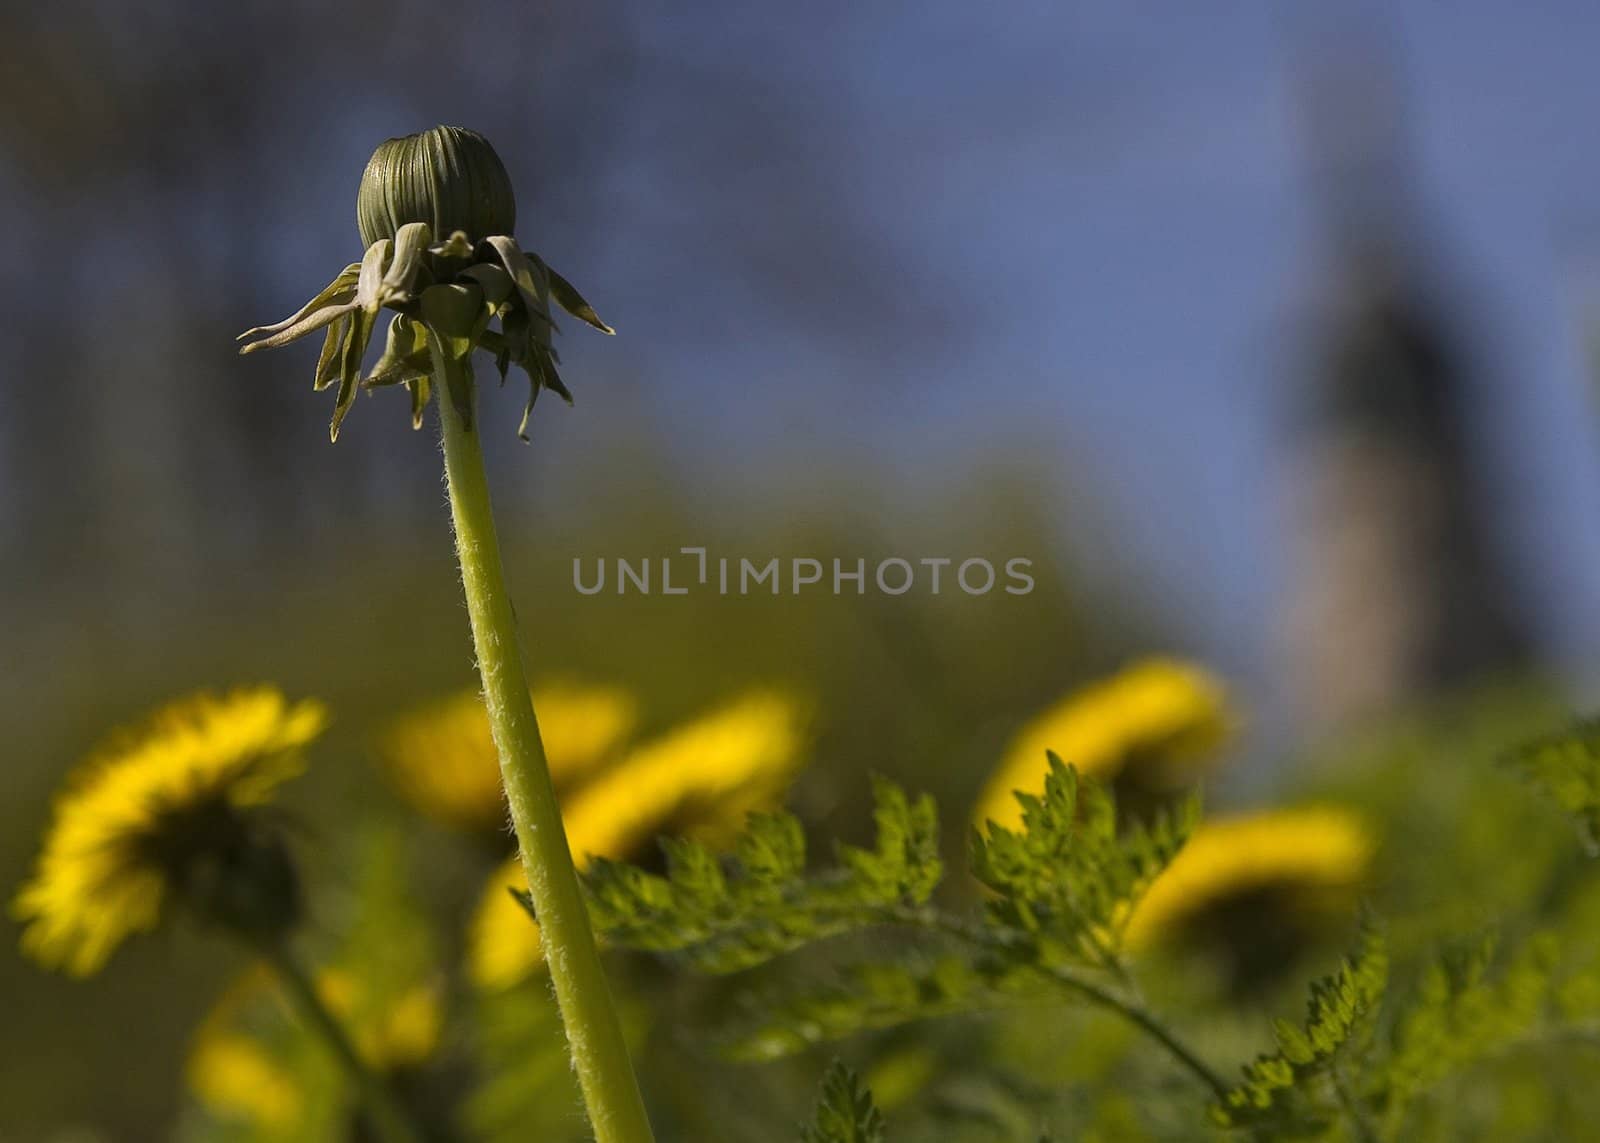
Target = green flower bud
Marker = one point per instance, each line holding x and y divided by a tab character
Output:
436	214
448	177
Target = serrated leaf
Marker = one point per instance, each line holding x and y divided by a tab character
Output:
726	914
1070	879
1566	766
1339	1014
1461	1011
844	1111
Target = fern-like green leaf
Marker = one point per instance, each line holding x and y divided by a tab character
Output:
1567	767
722	915
862	997
1339	1015
1070	878
844	1113
1461	1012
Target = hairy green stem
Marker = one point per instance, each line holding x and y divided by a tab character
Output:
599	1053
1128	1008
389	1121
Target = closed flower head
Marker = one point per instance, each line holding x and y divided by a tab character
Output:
436	214
170	810
449	178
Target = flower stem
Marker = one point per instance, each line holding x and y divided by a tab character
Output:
389	1121
599	1053
1126	1006
1145	1020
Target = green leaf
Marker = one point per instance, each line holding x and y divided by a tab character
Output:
1461	1011
725	914
1069	880
1566	766
844	1112
1340	1014
904	865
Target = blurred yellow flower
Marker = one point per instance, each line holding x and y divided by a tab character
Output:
1159	716
442	759
231	1072
390	1032
245	1063
1305	852
236	1079
702	779
152	811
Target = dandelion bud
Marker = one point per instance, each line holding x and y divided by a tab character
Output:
436	212
447	177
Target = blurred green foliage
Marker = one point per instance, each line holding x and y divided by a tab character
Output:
925	690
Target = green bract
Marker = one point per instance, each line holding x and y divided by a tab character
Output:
431	210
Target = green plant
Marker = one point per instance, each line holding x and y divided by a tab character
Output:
1059	893
449	184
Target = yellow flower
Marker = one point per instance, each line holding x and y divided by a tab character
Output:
702	778
390	1032
1158	716
164	809
238	1079
1304	852
232	1072
247	1061
443	761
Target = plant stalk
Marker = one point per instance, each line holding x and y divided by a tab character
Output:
1125	1006
389	1121
599	1052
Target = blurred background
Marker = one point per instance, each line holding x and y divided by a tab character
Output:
1267	338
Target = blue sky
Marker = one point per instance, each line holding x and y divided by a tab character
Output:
910	237
1113	196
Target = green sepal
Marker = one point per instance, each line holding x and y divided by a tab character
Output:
530	279
568	298
495	283
456	314
322	317
405	354
454	317
369	285
410	246
453	254
338	291
328	362
419	387
358	338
